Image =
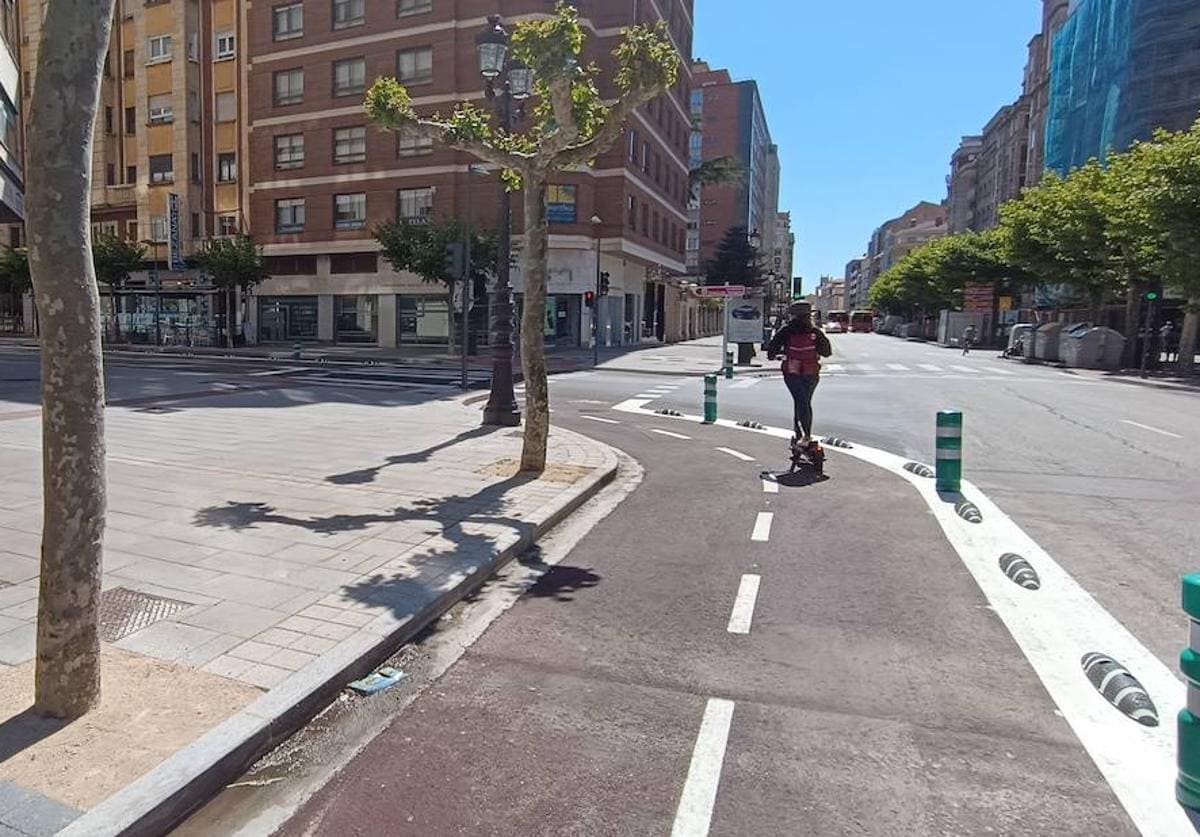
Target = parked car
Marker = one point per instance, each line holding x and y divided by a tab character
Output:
834	327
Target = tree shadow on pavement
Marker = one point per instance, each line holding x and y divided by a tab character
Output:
25	729
367	475
559	582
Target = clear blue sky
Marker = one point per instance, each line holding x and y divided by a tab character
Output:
867	100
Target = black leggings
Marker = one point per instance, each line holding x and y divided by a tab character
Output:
802	388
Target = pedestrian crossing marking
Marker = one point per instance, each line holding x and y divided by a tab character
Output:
929	367
968	369
897	367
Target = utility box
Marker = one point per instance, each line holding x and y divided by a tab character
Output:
1092	348
1046	342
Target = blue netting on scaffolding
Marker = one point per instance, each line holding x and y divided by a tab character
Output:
1120	69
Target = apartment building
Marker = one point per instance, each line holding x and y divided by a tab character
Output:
166	145
783	247
322	177
962	186
729	121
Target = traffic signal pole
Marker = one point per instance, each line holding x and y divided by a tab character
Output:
596	311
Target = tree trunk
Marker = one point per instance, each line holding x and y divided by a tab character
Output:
230	316
58	170
533	350
1187	337
112	293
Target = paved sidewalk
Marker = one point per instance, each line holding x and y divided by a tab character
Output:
267	539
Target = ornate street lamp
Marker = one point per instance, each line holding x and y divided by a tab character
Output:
508	80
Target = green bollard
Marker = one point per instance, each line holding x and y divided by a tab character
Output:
1187	788
949	451
710	399
728	366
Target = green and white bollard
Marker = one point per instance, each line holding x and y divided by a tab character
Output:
296	350
710	399
728	366
949	451
1187	788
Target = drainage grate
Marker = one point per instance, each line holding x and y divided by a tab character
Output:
123	611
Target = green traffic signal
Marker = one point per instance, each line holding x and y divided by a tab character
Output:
1151	296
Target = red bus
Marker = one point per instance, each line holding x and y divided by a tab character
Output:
862	321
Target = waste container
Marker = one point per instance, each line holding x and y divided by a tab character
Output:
1092	348
1046	340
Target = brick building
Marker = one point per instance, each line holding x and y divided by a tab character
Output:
730	121
251	116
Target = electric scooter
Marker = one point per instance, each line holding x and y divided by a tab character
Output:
812	455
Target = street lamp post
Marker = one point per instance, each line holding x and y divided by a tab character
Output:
596	299
507	81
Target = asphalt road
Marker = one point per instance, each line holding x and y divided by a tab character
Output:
874	692
1103	473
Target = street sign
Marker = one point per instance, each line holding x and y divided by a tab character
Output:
744	323
174	239
722	290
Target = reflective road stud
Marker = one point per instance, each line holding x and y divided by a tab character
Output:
949	451
1187	789
710	399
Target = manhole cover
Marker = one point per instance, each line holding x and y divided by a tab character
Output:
123	611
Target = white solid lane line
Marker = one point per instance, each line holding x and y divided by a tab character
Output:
770	486
762	527
1151	429
736	454
833	367
897	367
669	433
865	367
600	419
743	605
694	814
929	367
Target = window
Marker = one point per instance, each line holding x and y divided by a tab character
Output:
193	106
131	174
289	87
131	230
349	76
287	21
195	225
226	167
195	167
289	215
127	62
560	204
413	7
415	66
412	143
108	120
162	168
158	49
289	151
633	146
348	13
226	45
353	263
632	213
414	204
158	228
227	225
350	211
291	265
349	145
226	106
130	121
110	175
160	109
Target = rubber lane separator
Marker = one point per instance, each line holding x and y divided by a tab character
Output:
743	605
736	454
693	817
762	527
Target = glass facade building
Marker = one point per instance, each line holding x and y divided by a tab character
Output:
1121	69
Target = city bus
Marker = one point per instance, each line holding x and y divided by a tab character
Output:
842	318
862	321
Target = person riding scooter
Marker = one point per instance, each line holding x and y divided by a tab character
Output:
802	345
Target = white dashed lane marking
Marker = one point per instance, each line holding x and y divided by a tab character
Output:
743	605
1151	429
600	419
736	454
669	433
897	367
762	527
770	486
694	814
929	367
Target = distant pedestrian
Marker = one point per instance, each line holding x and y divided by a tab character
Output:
969	336
1166	336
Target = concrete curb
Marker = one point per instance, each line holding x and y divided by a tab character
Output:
163	797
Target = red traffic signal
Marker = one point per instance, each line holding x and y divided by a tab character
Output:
589	298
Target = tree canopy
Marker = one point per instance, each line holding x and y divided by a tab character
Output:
114	258
235	262
420	247
14	271
736	261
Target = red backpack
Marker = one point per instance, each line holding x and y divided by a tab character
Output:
801	357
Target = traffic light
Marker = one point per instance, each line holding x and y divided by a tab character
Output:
589	298
604	283
1151	295
455	260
